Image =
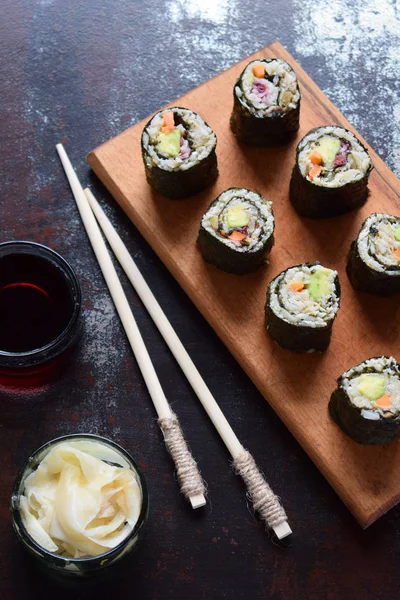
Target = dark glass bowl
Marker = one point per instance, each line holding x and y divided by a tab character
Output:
77	567
30	265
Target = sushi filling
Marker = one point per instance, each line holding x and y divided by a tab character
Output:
176	139
240	219
332	156
268	87
379	243
305	295
374	387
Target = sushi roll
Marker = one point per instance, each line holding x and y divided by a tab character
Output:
374	260
302	303
366	402
237	231
266	103
178	150
330	176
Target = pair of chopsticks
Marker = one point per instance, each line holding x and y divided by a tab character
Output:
265	502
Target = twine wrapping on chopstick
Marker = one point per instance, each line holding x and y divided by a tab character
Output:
265	502
191	482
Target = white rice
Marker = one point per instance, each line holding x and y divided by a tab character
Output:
251	201
381	366
299	308
201	136
358	162
284	80
376	250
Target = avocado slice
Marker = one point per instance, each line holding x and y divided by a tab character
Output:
372	386
319	285
214	222
170	143
397	234
237	216
286	98
328	148
248	78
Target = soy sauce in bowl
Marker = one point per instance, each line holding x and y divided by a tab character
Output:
40	306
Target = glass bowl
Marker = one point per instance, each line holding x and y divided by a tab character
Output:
77	567
39	285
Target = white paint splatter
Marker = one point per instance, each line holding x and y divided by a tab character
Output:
357	39
396	137
101	323
342	30
216	11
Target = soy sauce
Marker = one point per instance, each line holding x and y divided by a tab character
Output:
35	303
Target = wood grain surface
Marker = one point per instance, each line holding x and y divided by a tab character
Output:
298	387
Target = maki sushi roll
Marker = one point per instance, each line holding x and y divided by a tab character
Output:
302	303
178	150
366	402
374	260
237	231
330	176
266	103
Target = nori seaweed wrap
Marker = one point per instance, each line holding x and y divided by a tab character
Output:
237	231
178	150
266	103
366	402
330	176
374	260
302	303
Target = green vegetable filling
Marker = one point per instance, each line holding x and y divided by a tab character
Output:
372	386
170	143
328	148
396	234
319	285
237	217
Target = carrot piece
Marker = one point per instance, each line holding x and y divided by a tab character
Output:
315	171
169	119
296	286
396	253
169	123
258	71
315	157
236	236
384	401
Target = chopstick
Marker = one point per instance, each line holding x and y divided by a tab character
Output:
264	500
192	485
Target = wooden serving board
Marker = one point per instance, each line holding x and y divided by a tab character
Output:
298	387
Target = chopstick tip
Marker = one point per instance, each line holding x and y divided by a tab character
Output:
282	530
197	500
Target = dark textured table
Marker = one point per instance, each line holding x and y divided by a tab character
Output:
80	72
